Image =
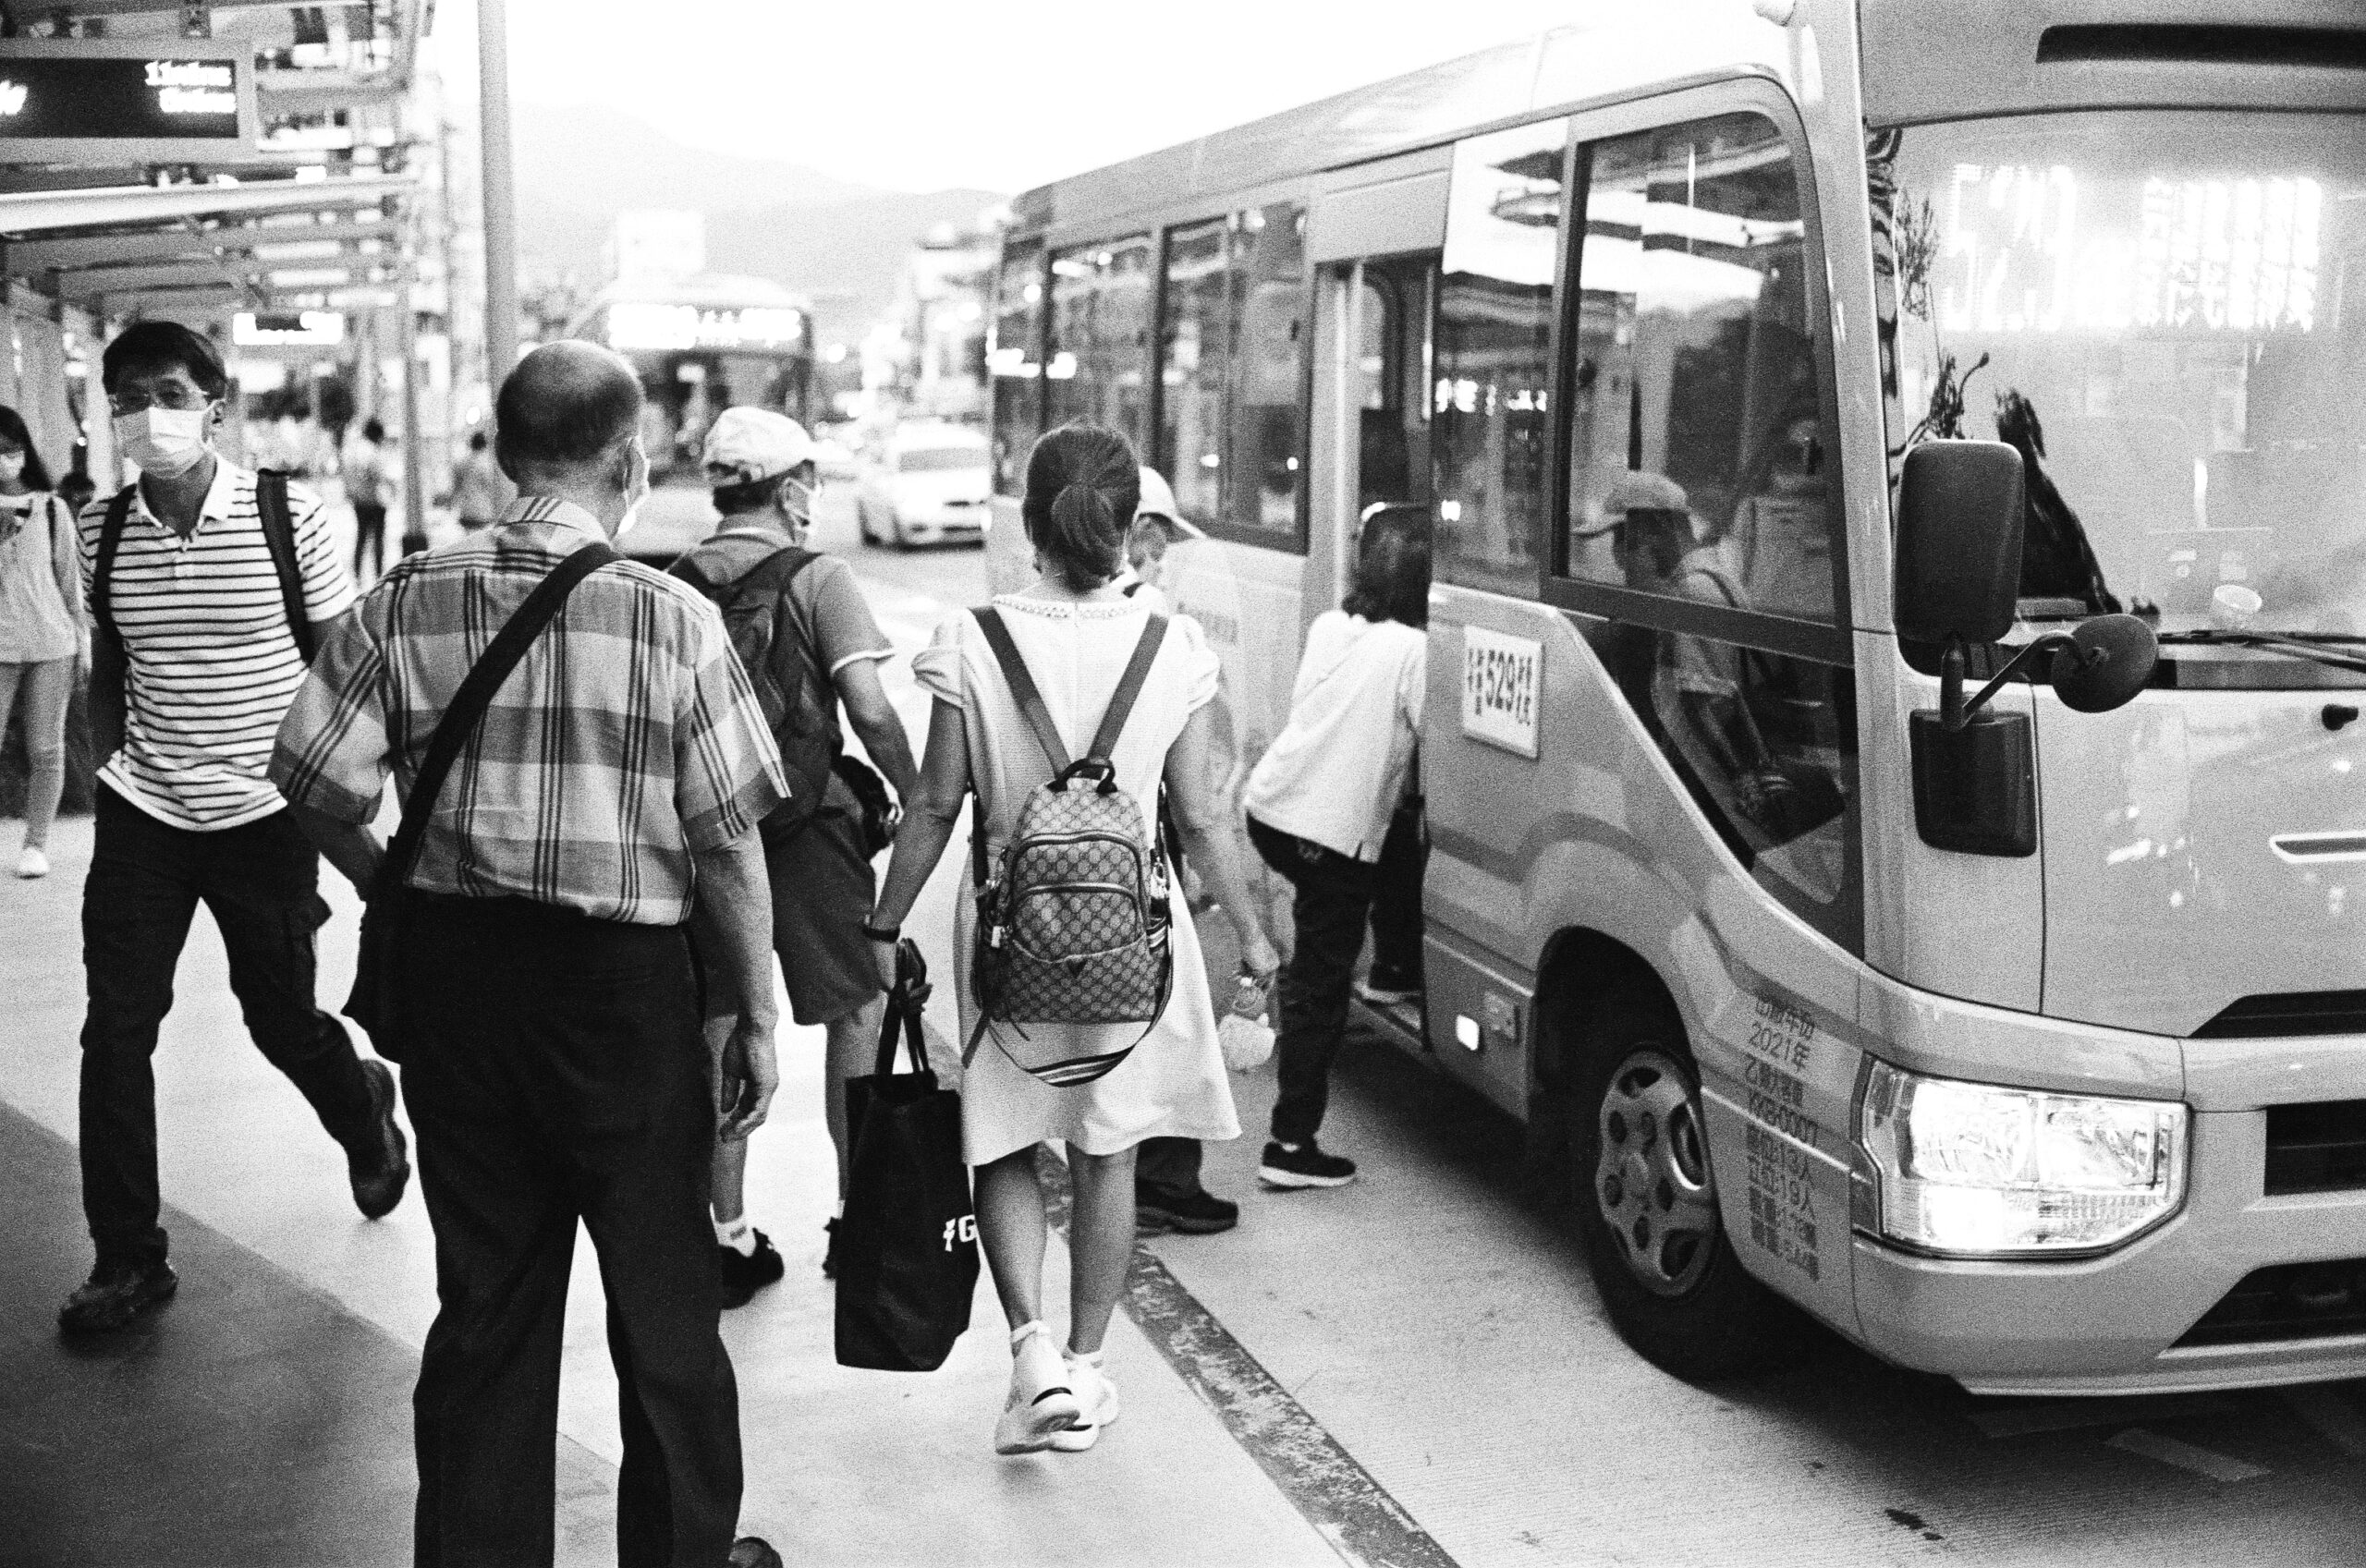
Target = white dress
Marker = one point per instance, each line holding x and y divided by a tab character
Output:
1173	1086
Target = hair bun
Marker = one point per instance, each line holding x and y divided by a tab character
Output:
1083	487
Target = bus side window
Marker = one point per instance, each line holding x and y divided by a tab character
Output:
1099	363
1696	361
1011	361
1492	433
1701	472
1269	309
1197	344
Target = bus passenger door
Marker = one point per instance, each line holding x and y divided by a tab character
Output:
1368	445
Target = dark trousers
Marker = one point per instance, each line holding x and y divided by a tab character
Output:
1396	900
554	1071
369	538
1169	1167
262	884
1333	897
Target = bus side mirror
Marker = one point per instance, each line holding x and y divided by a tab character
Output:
1959	517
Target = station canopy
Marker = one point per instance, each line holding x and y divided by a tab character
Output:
310	218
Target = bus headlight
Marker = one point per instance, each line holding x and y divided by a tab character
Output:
1979	1171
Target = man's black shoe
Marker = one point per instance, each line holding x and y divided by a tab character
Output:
115	1294
752	1552
830	1252
1197	1213
378	1161
743	1277
1303	1165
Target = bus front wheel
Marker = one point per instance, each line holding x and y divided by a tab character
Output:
1646	1201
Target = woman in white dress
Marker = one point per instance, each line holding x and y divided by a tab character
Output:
1075	629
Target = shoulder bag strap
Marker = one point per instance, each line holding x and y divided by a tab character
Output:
103	573
1129	686
476	694
279	534
1022	688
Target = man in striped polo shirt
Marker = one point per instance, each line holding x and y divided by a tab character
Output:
195	664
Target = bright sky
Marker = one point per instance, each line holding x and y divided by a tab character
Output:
931	93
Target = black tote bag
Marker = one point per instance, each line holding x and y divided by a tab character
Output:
907	1243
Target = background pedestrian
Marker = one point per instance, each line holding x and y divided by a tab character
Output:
43	637
814	644
1320	805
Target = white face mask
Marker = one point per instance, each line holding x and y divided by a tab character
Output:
165	442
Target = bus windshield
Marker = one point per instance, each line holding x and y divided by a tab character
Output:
2164	312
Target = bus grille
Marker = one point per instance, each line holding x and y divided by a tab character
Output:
2319	1147
2289	1301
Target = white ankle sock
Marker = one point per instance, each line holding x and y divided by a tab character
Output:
737	1234
1095	1360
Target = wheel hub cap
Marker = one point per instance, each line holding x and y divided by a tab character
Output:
1652	1181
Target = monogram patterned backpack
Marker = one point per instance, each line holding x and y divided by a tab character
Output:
1073	925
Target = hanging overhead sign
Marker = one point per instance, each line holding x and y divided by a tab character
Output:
118	101
288	329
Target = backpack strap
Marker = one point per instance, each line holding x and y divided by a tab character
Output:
476	694
279	534
1129	686
103	575
1022	688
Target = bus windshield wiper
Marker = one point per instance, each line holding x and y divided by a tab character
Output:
2311	646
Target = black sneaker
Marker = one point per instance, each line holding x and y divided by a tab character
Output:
378	1161
115	1294
1380	992
1197	1213
1304	1166
743	1277
752	1552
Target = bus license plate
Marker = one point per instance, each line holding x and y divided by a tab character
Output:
1502	678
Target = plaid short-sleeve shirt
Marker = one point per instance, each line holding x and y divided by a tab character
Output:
626	740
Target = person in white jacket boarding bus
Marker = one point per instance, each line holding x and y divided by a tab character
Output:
1075	632
1321	803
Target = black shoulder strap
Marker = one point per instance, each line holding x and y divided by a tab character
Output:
1130	686
774	572
476	694
103	573
279	534
1022	688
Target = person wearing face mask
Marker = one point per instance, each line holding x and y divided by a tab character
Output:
205	609
598	820
816	646
43	640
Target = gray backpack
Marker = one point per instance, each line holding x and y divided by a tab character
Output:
1073	925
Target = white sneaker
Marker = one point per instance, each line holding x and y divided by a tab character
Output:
1041	1402
1098	1394
32	863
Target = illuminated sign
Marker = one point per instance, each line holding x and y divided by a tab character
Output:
2049	250
677	328
288	329
90	100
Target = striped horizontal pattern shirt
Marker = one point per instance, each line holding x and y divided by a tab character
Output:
209	661
627	738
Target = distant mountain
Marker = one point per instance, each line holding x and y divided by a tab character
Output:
600	160
842	242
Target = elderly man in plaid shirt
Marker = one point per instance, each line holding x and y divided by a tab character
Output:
552	1054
